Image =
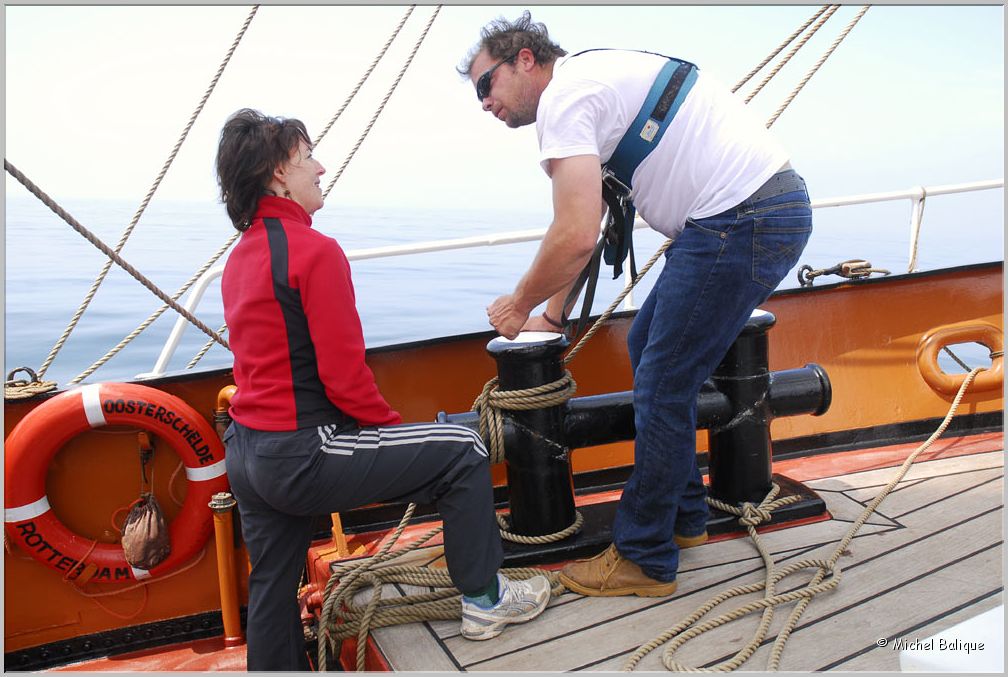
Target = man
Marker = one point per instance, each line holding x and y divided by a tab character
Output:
716	182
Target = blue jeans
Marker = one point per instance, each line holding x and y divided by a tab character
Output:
717	271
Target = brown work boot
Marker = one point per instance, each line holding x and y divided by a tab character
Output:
609	574
690	541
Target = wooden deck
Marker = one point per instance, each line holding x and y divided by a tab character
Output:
928	559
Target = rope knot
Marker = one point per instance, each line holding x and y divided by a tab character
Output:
492	401
753	515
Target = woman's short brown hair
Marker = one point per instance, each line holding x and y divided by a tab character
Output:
251	146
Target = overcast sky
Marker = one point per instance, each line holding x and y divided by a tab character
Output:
97	96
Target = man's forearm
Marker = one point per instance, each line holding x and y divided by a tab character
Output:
556	265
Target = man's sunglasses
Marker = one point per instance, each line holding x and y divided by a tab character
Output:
483	84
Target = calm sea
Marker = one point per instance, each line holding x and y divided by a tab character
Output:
49	269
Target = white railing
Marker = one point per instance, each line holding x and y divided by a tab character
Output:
916	195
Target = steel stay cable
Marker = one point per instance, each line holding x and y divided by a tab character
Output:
802	595
146	201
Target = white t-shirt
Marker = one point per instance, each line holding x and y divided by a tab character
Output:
713	155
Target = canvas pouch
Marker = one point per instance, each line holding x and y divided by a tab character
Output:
145	539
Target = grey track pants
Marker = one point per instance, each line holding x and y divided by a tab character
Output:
283	479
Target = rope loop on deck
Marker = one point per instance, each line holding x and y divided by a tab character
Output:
506	534
686	630
22	389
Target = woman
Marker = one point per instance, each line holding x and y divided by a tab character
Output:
312	434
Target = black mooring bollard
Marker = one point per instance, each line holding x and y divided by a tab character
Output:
540	483
740	448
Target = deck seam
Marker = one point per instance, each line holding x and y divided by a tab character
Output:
922	624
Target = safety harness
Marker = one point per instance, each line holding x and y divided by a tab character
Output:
666	95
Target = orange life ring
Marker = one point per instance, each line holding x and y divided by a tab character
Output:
31	446
964	332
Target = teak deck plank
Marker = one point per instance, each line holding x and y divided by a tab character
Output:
929	558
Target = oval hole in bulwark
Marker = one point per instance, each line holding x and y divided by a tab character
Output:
972	355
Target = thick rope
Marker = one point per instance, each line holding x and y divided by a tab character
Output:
341	618
818	64
22	389
492	401
157	313
684	631
90	237
146	201
384	101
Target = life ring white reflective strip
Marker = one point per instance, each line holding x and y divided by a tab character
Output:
27	512
91	397
208	473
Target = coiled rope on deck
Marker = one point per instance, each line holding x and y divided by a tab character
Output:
342	618
751	516
22	389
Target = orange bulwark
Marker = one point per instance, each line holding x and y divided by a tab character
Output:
870	336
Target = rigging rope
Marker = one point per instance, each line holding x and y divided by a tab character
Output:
818	64
157	313
367	130
801	43
104	248
777	51
384	101
143	206
684	631
367	74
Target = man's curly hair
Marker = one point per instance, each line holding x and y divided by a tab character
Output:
502	38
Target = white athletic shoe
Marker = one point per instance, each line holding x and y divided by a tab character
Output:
520	601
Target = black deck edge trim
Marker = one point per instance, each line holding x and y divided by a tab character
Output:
117	642
387	516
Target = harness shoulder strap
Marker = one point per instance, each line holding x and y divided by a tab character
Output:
662	102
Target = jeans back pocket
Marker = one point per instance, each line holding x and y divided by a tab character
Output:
778	241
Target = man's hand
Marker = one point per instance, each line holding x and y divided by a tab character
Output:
505	317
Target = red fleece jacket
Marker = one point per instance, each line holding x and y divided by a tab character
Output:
293	327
